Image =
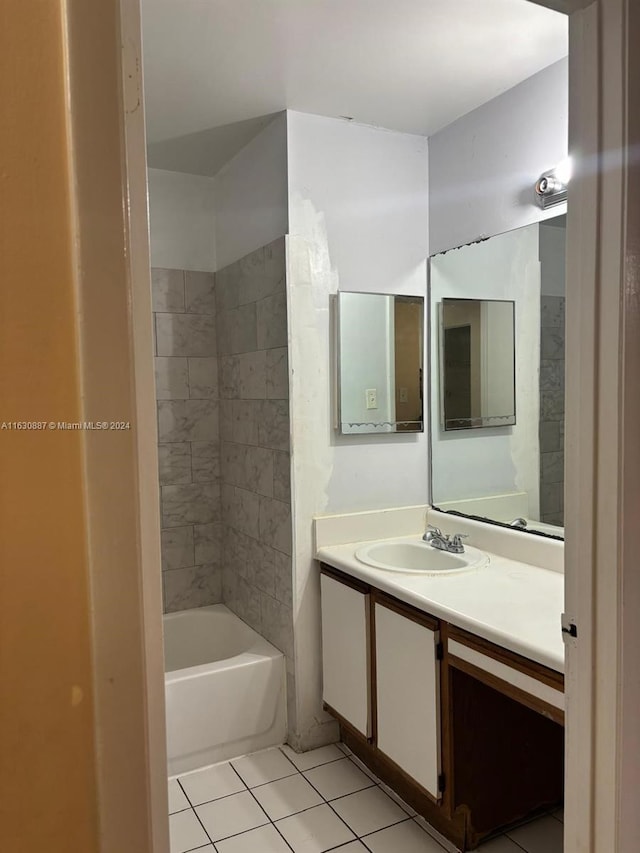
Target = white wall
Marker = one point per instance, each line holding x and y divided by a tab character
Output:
475	463
251	204
359	211
367	347
497	359
358	221
181	217
483	167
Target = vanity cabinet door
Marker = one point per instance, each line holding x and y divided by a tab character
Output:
346	668
408	695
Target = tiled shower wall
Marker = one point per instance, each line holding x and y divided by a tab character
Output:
222	387
552	347
255	445
188	437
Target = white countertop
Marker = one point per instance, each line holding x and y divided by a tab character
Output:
513	604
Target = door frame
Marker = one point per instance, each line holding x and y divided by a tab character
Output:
602	445
602	449
108	191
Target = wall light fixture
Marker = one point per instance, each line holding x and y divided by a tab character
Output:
552	187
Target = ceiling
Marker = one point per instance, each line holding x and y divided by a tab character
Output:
217	70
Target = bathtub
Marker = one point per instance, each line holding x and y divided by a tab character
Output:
225	688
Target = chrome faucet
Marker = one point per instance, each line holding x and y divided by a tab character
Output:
521	523
443	542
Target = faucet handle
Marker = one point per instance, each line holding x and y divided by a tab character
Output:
457	538
433	532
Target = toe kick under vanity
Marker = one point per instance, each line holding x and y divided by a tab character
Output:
448	684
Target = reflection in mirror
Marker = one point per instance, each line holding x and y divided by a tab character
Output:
477	363
380	363
512	474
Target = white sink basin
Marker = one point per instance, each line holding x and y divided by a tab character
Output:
415	555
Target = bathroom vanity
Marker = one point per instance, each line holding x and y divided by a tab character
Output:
445	671
449	686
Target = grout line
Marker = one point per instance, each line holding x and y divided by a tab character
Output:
399	801
263	809
233	835
454	849
315	766
404	819
296	771
369	834
216	799
341	796
344	796
351	830
362	767
401	805
262	784
505	835
318	792
409	820
197	816
277	829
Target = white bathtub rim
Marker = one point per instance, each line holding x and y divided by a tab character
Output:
246	658
258	645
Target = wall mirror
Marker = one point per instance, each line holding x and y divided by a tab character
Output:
477	363
380	357
510	472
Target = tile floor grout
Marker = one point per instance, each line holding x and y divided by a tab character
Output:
342	796
409	815
372	784
192	807
336	798
260	804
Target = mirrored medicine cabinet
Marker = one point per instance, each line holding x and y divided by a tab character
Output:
497	358
380	341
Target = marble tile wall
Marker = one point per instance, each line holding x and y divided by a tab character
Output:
252	335
186	363
552	346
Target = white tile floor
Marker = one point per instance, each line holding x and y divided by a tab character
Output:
277	802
